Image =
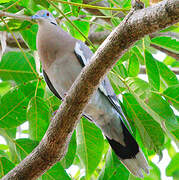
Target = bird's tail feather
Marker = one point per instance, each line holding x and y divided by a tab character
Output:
130	154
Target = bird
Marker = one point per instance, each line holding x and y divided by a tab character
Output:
62	58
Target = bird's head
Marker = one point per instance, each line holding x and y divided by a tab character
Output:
44	16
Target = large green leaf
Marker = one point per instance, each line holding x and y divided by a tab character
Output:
152	103
152	71
162	108
133	69
89	145
38	116
13	105
57	172
139	86
75	9
150	131
113	168
14	66
9	135
167	42
71	153
172	95
138	53
83	26
5	166
25	146
167	75
173	167
4	87
29	36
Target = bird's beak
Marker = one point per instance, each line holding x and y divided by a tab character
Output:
34	17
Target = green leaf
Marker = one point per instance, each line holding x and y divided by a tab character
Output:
152	103
3	147
162	108
172	95
83	26
2	153
173	167
5	166
139	54
152	71
13	105
14	66
4	87
167	42
29	36
42	3
23	3
5	1
57	172
175	132
76	9
139	86
125	57
133	69
150	131
67	161
25	146
89	145
65	7
38	116
113	168
9	135
167	75
115	81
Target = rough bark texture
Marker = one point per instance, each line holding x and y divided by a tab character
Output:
54	144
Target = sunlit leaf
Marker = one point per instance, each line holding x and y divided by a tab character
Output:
113	168
29	36
150	131
38	116
152	71
57	172
172	95
167	75
25	146
167	42
71	153
14	66
173	167
89	145
133	69
13	105
5	166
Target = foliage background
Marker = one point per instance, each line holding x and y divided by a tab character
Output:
150	106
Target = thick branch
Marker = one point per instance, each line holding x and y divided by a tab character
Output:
54	144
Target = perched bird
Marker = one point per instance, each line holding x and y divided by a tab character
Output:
62	58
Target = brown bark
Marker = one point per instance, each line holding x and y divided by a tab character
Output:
54	144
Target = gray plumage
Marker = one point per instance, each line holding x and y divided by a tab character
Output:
62	58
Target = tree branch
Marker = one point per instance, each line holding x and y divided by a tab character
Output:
169	53
55	142
97	12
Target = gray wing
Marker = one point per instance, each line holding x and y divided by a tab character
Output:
84	55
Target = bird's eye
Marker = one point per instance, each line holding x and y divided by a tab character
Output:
48	14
